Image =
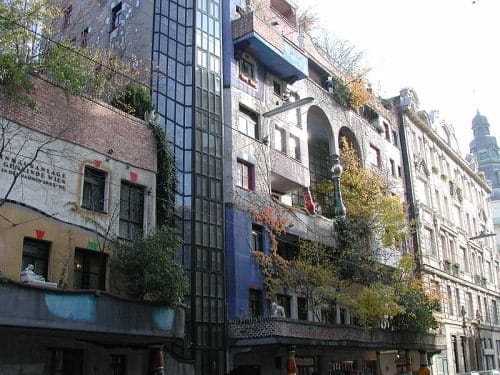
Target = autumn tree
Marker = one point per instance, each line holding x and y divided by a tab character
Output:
375	218
401	300
316	276
274	268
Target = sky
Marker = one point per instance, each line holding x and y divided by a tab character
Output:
448	51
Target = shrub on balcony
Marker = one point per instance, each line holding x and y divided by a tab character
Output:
134	99
148	268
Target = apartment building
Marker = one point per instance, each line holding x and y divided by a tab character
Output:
285	125
449	200
69	186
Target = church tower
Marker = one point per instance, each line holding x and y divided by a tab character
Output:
484	147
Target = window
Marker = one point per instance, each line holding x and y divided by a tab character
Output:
279	139
387	131
469	307
254	303
94	188
329	315
487	316
294	147
131	210
66	362
67	16
458	302
257	240
301	308
36	253
429	241
395	138
247	69
284	301
118	364
90	270
342	315
245	175
247	122
449	296
393	168
494	311
287	246
277	89
85	37
374	156
116	16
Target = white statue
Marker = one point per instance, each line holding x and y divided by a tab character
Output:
29	274
277	310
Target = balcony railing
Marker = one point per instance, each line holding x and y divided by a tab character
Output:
90	313
274	330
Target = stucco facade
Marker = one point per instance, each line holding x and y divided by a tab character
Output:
75	175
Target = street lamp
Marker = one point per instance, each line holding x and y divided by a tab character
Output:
482	234
339	210
288	106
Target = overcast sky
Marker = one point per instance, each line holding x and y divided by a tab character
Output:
447	50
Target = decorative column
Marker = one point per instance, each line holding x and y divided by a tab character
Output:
338	205
291	364
424	368
156	362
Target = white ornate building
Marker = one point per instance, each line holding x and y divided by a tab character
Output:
449	199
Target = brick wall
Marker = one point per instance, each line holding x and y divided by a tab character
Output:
88	123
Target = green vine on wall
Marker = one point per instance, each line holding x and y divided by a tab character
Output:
165	179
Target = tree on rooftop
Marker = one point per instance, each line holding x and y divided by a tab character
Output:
27	47
351	87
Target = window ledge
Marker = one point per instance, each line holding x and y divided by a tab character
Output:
248	80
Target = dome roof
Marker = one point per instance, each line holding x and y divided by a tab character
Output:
479	120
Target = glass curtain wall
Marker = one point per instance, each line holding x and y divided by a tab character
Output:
188	96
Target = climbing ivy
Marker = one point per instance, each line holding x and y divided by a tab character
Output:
165	178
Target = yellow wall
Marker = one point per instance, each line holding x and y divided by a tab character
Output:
18	222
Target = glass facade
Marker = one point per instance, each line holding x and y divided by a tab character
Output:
187	91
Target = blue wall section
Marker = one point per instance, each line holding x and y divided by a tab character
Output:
242	271
164	318
73	307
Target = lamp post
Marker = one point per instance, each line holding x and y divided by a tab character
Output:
339	210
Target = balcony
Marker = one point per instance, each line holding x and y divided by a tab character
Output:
262	40
287	173
96	316
272	330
